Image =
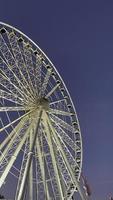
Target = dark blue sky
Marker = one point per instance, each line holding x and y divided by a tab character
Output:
78	38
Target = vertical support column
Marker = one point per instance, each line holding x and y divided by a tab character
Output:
27	168
53	155
31	171
41	161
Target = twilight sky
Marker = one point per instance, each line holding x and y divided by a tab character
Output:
77	36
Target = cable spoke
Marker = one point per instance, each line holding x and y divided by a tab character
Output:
19	60
10	97
60	112
11	64
18	131
52	91
21	142
38	74
29	64
19	108
58	102
65	137
64	171
12	135
5	82
45	82
69	156
8	125
62	123
11	77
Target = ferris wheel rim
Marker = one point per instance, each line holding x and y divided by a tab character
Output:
4	24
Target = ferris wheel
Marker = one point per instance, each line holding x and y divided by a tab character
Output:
40	138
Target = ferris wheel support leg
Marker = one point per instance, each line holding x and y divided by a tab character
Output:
53	155
41	161
65	158
31	171
28	164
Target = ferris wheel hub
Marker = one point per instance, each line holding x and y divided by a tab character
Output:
44	103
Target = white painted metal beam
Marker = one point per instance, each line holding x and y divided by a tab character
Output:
49	139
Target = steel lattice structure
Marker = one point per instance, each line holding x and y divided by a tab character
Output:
40	138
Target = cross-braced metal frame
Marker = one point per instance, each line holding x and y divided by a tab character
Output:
40	139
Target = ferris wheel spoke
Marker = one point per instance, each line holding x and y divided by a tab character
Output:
13	157
41	163
25	96
55	166
29	64
65	137
60	112
10	97
38	73
13	122
20	61
12	135
52	91
71	172
65	174
68	154
5	83
15	108
13	138
6	51
62	123
8	138
45	82
8	71
60	102
11	60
